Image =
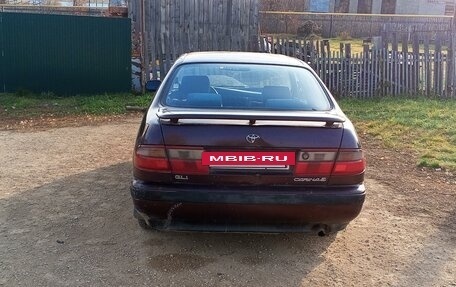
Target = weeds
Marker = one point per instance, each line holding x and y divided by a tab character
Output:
426	126
27	104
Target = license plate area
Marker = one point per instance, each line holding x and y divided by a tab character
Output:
248	160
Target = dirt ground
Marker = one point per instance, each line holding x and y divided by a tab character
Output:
66	220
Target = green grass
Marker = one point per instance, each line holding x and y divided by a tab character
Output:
23	104
356	44
425	126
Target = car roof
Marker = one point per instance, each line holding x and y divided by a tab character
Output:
240	57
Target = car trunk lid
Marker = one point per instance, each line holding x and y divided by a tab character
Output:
251	147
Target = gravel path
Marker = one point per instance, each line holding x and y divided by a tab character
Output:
66	220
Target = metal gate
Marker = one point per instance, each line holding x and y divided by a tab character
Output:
64	54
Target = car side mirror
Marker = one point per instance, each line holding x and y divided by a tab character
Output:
153	85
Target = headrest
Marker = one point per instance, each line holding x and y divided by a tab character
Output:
195	84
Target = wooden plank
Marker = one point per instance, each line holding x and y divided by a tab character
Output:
348	55
405	65
182	29
378	55
150	49
227	15
393	78
438	66
366	72
394	43
159	38
254	19
415	60
217	37
390	73
339	73
173	31
451	74
387	77
191	39
386	64
324	70
166	23
355	73
317	59
245	18
330	71
199	21
370	75
428	64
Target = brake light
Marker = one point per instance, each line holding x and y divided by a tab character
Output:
151	157
187	160
350	162
315	163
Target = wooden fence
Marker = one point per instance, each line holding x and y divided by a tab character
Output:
407	62
400	67
169	28
397	68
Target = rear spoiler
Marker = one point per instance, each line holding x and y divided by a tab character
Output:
252	116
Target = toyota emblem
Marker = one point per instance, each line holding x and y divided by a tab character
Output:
251	138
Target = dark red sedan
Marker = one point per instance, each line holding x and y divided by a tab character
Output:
246	142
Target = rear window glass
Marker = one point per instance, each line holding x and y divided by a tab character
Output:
245	86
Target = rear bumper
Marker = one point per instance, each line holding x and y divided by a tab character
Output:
262	209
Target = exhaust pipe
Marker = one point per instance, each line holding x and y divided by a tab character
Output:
321	229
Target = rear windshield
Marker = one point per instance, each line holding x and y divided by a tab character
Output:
245	86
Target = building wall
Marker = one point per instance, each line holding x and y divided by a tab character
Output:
420	7
332	4
376	7
436	7
353	7
406	7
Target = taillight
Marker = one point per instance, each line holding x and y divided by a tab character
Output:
151	157
350	162
315	163
187	160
